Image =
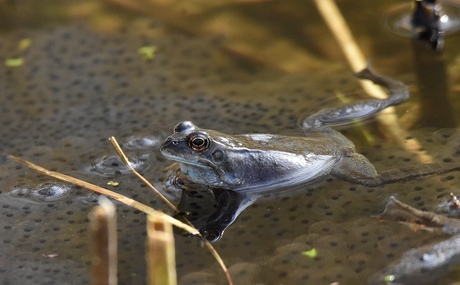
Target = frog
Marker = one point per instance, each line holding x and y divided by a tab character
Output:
244	162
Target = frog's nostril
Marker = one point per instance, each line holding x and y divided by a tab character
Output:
169	142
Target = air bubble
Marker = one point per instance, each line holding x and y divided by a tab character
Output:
50	192
144	142
43	192
111	165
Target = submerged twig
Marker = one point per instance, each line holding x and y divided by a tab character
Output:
425	263
339	28
396	210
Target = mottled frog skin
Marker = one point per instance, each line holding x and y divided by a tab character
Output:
267	161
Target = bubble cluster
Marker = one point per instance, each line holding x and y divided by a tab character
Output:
44	192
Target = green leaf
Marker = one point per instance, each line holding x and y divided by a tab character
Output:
14	61
312	253
148	52
389	278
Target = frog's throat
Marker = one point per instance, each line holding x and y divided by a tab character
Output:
220	176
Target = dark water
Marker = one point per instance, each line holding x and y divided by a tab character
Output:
84	80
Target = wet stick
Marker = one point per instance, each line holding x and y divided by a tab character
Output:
339	28
104	243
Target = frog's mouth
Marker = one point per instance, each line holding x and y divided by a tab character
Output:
199	163
194	162
200	171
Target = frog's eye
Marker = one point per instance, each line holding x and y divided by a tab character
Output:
198	142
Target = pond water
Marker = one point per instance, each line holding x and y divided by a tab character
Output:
236	67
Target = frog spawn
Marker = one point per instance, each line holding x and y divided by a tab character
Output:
339	226
80	87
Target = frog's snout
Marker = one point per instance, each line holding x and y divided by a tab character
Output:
169	142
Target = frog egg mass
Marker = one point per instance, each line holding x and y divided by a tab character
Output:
78	86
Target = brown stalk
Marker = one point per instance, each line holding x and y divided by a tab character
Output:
110	194
104	243
127	201
161	263
124	158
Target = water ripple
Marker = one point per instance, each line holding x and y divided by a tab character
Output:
144	141
44	192
111	165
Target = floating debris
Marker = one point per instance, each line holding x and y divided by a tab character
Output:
14	61
395	210
113	183
389	278
426	263
450	207
24	44
312	253
422	265
148	52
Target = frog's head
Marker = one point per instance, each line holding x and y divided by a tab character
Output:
202	154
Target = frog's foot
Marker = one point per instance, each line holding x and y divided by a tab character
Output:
360	109
357	169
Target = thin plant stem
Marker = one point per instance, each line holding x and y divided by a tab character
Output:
161	263
125	160
129	202
103	230
213	251
110	194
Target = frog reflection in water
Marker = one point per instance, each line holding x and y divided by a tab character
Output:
264	161
237	168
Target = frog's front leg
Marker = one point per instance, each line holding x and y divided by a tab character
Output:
360	109
357	169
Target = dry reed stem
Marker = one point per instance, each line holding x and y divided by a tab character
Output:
104	243
161	263
127	201
113	195
124	158
339	28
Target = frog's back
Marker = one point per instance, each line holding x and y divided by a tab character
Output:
319	143
267	161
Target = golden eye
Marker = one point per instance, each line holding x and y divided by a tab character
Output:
198	142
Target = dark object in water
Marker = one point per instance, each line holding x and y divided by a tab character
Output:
425	21
429	262
422	265
213	211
